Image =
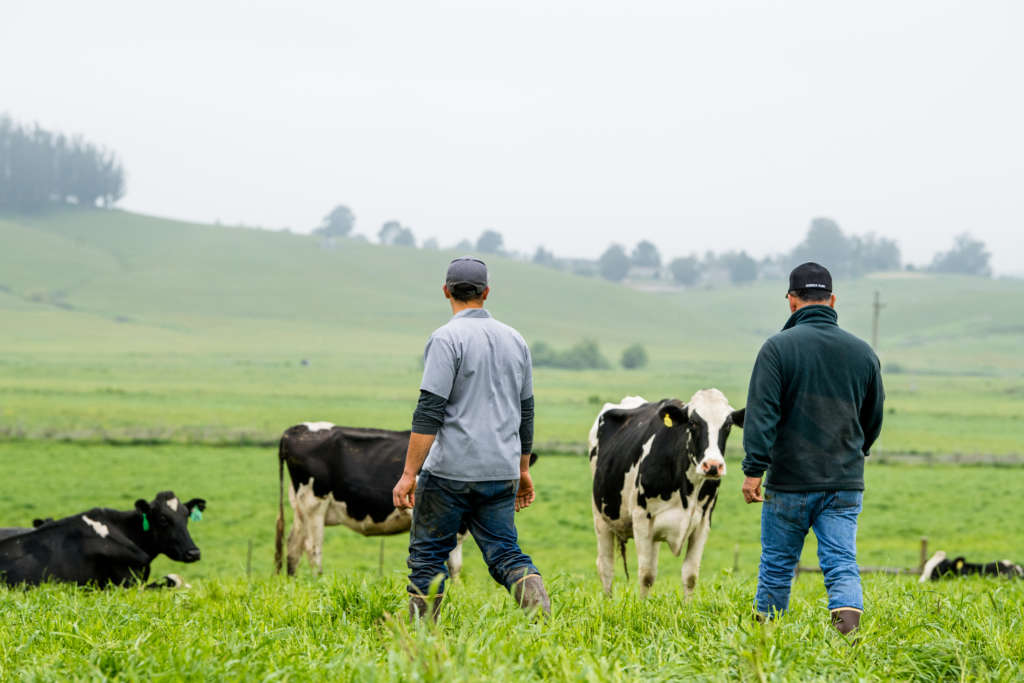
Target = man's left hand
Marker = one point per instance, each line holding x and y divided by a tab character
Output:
404	493
525	494
752	490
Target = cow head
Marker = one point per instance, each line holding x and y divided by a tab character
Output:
165	522
708	417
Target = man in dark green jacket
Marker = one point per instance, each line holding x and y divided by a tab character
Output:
814	408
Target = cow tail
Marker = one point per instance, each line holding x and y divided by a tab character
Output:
622	549
279	538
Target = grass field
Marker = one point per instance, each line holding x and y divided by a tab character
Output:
140	354
233	626
123	327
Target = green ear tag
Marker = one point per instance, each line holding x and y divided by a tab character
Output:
145	522
196	514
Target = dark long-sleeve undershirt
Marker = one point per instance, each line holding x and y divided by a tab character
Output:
429	416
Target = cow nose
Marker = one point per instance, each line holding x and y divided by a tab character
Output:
192	555
713	469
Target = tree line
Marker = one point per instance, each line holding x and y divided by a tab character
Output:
845	254
39	167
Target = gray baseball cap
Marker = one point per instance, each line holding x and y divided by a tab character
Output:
467	270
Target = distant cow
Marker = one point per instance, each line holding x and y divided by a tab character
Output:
939	567
656	469
6	532
341	475
102	546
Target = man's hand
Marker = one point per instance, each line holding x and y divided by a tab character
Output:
404	493
752	490
525	495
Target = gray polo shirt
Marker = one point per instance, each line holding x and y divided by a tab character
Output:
483	368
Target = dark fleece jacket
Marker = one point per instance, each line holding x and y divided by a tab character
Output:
814	407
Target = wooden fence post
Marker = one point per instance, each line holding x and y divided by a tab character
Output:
924	552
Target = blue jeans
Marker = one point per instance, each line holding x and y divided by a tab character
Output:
785	521
487	507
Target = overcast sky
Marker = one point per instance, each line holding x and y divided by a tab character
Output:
699	125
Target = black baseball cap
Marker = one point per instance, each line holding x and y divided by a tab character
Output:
810	275
467	270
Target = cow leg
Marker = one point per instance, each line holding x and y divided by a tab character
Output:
296	536
455	556
605	551
315	538
694	553
646	551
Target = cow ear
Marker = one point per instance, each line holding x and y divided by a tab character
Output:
737	417
673	413
196	502
142	506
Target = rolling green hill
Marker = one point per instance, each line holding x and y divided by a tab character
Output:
121	326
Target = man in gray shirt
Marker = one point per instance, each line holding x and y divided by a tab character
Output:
472	435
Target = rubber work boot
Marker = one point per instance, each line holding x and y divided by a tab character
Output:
530	594
418	607
846	620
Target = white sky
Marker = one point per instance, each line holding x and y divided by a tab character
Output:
708	124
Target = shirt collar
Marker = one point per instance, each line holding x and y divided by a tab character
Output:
472	313
816	313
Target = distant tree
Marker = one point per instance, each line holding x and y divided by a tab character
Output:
464	245
338	223
968	257
826	244
873	254
585	355
38	167
431	243
685	270
389	230
404	238
645	255
742	268
490	242
614	263
634	357
543	257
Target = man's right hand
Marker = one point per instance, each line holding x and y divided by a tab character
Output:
525	495
752	490
404	493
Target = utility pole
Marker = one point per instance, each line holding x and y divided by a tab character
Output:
877	307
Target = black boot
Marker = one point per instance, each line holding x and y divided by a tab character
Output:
846	620
530	595
418	607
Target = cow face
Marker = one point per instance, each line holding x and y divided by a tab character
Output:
166	518
708	417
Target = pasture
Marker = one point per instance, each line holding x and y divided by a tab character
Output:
140	354
233	626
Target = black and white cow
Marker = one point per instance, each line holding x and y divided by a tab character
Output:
656	469
8	531
102	546
938	567
341	475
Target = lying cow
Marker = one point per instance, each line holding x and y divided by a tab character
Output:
656	470
6	532
939	567
103	546
341	475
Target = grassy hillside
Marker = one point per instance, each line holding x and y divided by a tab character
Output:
117	325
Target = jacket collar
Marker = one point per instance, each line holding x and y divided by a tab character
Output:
814	314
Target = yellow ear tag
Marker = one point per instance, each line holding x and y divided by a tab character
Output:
668	421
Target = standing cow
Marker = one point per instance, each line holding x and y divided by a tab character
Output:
341	475
656	470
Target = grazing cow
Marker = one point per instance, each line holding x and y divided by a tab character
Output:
656	470
102	546
6	532
341	475
939	567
